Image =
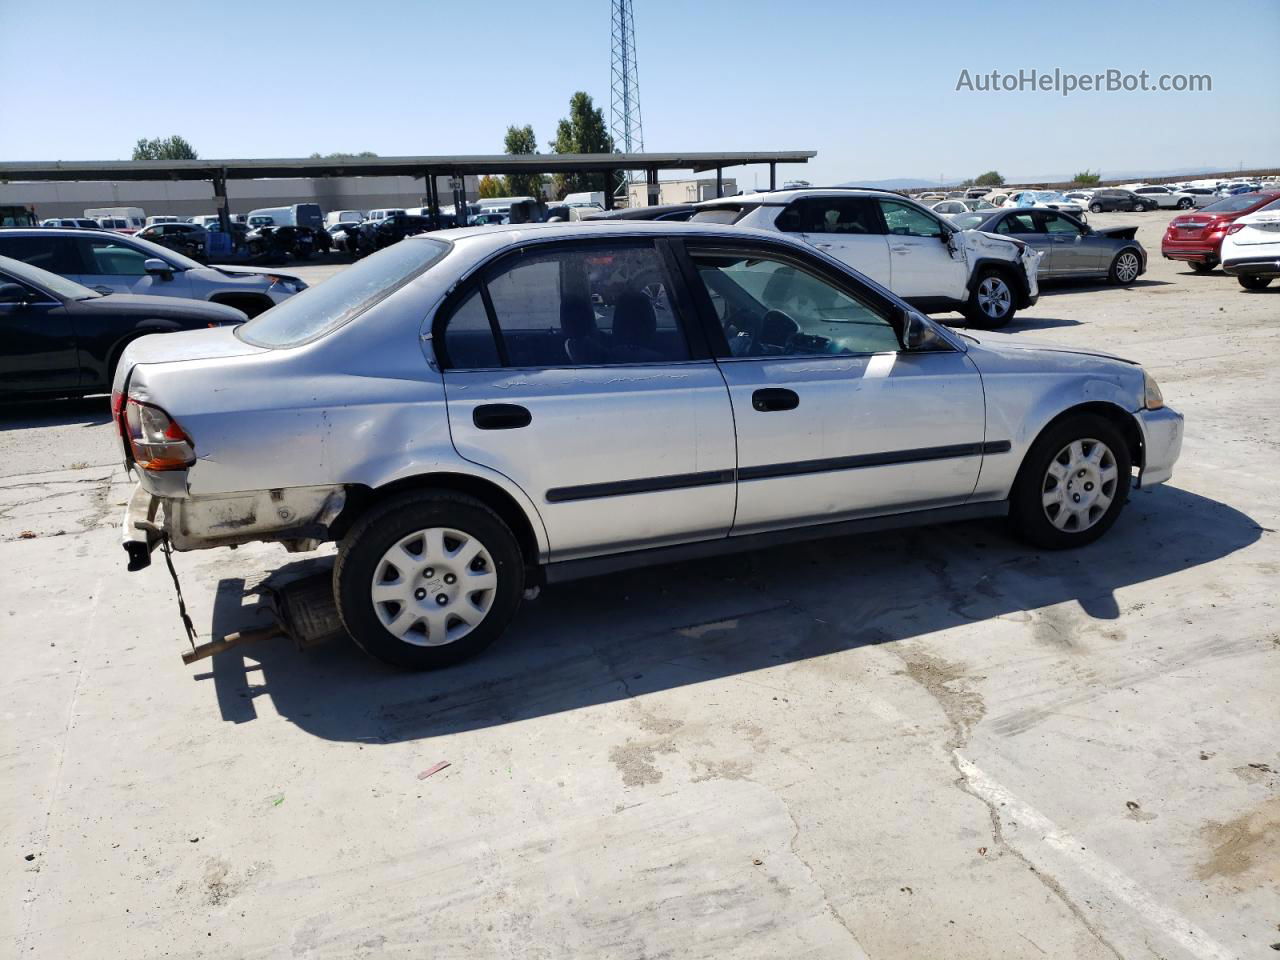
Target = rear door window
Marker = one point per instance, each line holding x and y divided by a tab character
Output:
589	306
108	258
55	254
843	215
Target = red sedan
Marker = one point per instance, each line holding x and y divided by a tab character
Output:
1196	236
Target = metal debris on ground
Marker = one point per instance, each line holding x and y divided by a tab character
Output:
434	768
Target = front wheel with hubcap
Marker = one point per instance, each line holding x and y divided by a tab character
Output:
1254	283
1125	267
1185	203
428	579
991	303
1072	484
1095	208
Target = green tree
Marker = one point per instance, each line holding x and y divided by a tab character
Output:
989	179
520	140
164	148
1086	178
362	155
493	187
583	131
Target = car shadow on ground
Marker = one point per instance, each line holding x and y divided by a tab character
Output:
91	411
1051	288
608	639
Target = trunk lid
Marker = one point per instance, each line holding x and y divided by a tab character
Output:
208	344
1261	228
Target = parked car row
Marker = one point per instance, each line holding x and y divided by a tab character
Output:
1217	233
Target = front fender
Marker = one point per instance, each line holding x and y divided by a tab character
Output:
1021	403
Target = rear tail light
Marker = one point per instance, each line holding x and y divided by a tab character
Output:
117	408
155	438
1235	228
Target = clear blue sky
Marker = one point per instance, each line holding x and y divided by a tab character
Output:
870	86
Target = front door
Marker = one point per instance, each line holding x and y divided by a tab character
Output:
1025	227
573	373
39	346
1076	251
922	264
834	419
119	266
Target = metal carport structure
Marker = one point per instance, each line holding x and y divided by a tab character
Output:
218	172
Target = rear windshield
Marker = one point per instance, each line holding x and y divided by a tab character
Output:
1234	204
325	307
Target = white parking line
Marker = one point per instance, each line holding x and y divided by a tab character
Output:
1061	846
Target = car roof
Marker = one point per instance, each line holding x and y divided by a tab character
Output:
60	231
504	235
780	197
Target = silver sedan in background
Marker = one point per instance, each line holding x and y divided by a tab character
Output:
472	413
1068	247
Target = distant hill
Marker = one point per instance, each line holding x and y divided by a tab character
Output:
1111	176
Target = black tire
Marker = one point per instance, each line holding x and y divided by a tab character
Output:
1139	207
365	544
1027	511
1095	208
990	281
1185	204
1124	261
1254	283
1202	267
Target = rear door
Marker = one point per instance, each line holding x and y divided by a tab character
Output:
116	265
834	420
921	261
570	369
845	227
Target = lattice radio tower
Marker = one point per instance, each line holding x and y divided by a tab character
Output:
624	99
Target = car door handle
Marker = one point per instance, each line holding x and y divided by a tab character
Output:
775	398
500	416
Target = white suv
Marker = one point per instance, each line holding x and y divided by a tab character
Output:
900	244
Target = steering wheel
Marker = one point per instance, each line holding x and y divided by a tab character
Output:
776	329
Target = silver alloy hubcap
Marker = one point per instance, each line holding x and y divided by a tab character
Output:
1127	267
1079	485
434	586
994	297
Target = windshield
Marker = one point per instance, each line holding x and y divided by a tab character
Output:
1231	204
325	307
34	276
163	253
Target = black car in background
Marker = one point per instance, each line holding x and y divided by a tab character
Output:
62	338
189	239
1109	199
280	244
393	229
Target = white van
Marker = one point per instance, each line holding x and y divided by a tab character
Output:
135	218
335	217
384	213
594	198
298	215
151	221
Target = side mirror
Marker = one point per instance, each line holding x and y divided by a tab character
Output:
917	332
157	267
13	293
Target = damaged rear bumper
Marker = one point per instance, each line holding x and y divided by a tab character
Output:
298	517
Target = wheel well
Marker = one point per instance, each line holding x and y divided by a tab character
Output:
360	498
251	303
1118	416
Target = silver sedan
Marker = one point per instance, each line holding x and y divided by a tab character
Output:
1068	247
473	413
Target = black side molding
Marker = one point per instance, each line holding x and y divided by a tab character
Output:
558	572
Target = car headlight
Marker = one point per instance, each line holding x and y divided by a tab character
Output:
1152	398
